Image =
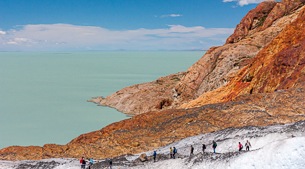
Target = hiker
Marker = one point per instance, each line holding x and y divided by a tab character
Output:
192	150
110	164
248	145
171	152
240	146
203	148
82	161
174	152
155	155
214	145
90	163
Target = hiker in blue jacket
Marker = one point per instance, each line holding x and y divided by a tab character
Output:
214	145
90	163
155	155
174	152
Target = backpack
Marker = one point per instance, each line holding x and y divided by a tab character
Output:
81	161
175	150
204	147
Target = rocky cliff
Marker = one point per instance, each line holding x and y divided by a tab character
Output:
215	69
257	78
280	65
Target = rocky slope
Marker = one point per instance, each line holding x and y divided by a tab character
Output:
144	97
280	65
215	69
256	78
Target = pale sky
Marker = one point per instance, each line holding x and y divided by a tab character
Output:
68	25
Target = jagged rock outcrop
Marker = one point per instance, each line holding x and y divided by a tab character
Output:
280	65
281	9
215	69
262	17
255	18
257	81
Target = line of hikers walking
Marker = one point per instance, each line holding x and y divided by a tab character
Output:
173	150
214	145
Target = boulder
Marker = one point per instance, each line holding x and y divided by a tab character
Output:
143	157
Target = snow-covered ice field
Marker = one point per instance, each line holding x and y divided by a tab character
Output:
273	147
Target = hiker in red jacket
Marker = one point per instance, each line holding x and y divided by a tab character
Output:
82	162
240	146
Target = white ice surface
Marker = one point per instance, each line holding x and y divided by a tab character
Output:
272	148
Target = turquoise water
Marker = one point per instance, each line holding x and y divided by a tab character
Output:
43	95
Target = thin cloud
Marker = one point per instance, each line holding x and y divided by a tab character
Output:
246	2
16	41
73	37
171	16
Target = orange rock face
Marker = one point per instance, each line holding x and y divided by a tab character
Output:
257	79
280	65
280	10
262	17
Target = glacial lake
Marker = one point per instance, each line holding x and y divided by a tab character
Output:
43	95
